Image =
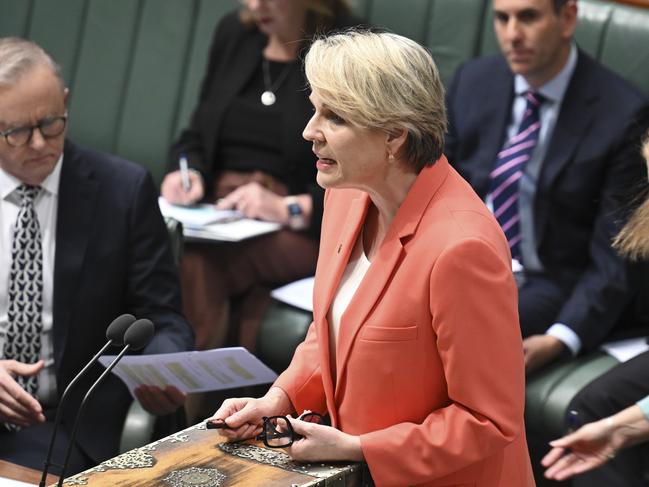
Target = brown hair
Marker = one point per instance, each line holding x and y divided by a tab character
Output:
633	239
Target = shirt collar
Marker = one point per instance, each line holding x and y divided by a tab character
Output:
555	88
50	184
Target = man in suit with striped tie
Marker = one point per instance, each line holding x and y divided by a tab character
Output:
550	138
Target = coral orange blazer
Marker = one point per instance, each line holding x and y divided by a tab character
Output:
429	364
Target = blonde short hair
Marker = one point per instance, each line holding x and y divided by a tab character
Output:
18	56
382	81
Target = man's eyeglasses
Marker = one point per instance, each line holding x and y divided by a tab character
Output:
49	127
278	433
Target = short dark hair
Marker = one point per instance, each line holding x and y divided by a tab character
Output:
558	4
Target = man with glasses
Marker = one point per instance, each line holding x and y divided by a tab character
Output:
81	242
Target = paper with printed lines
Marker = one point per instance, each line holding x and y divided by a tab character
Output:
208	370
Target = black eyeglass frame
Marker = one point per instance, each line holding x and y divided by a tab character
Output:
42	123
289	433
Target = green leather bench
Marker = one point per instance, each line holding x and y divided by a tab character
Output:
134	69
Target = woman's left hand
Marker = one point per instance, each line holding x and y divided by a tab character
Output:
255	201
323	443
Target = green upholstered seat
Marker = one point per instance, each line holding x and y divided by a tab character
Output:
282	330
549	391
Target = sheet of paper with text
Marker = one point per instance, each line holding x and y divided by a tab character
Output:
208	370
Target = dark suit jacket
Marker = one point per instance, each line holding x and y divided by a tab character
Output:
112	257
235	54
592	163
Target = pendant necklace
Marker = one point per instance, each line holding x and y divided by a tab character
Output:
268	97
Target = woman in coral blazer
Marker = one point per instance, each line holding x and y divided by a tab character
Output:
415	351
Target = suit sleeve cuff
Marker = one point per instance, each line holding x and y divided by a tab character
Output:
568	337
644	406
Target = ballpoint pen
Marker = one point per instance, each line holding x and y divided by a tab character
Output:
184	173
573	420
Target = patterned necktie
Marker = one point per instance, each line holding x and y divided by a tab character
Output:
23	338
508	171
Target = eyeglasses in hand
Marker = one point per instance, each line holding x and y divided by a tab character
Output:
278	432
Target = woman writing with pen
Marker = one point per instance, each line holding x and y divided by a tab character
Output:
244	148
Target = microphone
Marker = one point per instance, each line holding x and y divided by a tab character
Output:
115	335
136	337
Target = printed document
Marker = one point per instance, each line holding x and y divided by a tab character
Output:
208	370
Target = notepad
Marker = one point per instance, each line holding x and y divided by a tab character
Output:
197	216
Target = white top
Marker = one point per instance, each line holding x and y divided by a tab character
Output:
46	205
352	277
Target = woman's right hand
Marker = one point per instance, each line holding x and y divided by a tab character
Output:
589	447
243	415
172	188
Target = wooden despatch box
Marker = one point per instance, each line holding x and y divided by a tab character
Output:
198	457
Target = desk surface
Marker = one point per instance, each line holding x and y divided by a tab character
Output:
24	474
200	457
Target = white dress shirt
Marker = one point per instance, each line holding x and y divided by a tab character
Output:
355	271
46	205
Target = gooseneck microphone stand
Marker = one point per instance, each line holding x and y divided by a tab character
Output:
115	335
135	338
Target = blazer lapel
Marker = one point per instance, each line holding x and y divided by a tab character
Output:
574	121
330	270
497	109
77	198
387	259
334	265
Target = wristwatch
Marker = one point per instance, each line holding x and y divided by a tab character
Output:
296	220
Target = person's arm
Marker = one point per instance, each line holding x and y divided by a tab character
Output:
594	444
153	290
302	380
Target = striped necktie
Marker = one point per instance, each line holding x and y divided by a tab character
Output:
509	168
